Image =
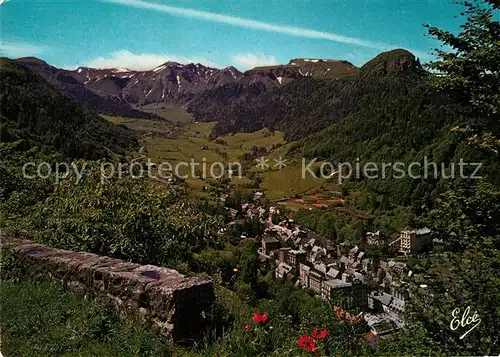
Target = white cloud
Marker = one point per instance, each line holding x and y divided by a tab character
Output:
141	61
250	24
250	60
16	49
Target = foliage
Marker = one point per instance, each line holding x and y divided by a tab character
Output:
129	218
465	276
41	319
31	109
471	60
324	223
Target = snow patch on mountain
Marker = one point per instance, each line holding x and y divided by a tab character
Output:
160	68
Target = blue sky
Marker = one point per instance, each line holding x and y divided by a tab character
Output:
141	34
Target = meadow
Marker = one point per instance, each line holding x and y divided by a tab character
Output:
181	139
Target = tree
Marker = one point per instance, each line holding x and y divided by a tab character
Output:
466	274
472	68
359	233
326	226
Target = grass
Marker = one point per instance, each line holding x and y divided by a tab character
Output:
174	113
41	319
262	138
141	125
287	182
163	142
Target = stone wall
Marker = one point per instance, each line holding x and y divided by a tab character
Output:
176	305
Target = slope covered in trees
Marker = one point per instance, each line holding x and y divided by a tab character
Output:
68	82
389	113
309	105
33	110
130	217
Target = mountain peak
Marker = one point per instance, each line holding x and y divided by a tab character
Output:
32	60
121	69
394	62
302	61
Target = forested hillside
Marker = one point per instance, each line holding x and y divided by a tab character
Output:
67	82
309	105
388	113
33	110
42	126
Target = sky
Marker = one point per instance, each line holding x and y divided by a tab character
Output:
142	34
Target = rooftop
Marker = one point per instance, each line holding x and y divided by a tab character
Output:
269	239
336	283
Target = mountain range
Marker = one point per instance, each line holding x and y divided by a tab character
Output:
123	92
212	94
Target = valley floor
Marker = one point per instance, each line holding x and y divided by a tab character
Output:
186	140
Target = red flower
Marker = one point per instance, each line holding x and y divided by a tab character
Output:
248	327
307	343
319	335
259	319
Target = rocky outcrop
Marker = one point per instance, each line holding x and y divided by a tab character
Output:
395	62
175	305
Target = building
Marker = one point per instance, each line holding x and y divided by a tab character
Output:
382	324
358	294
233	213
282	270
329	286
293	257
304	274
437	243
332	273
354	293
315	281
397	267
296	257
269	244
258	195
283	254
383	302
414	241
373	238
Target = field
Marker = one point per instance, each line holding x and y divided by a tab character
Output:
174	113
185	141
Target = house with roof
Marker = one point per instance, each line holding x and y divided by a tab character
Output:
233	213
398	268
258	195
353	252
332	273
384	302
373	238
382	325
282	270
285	271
